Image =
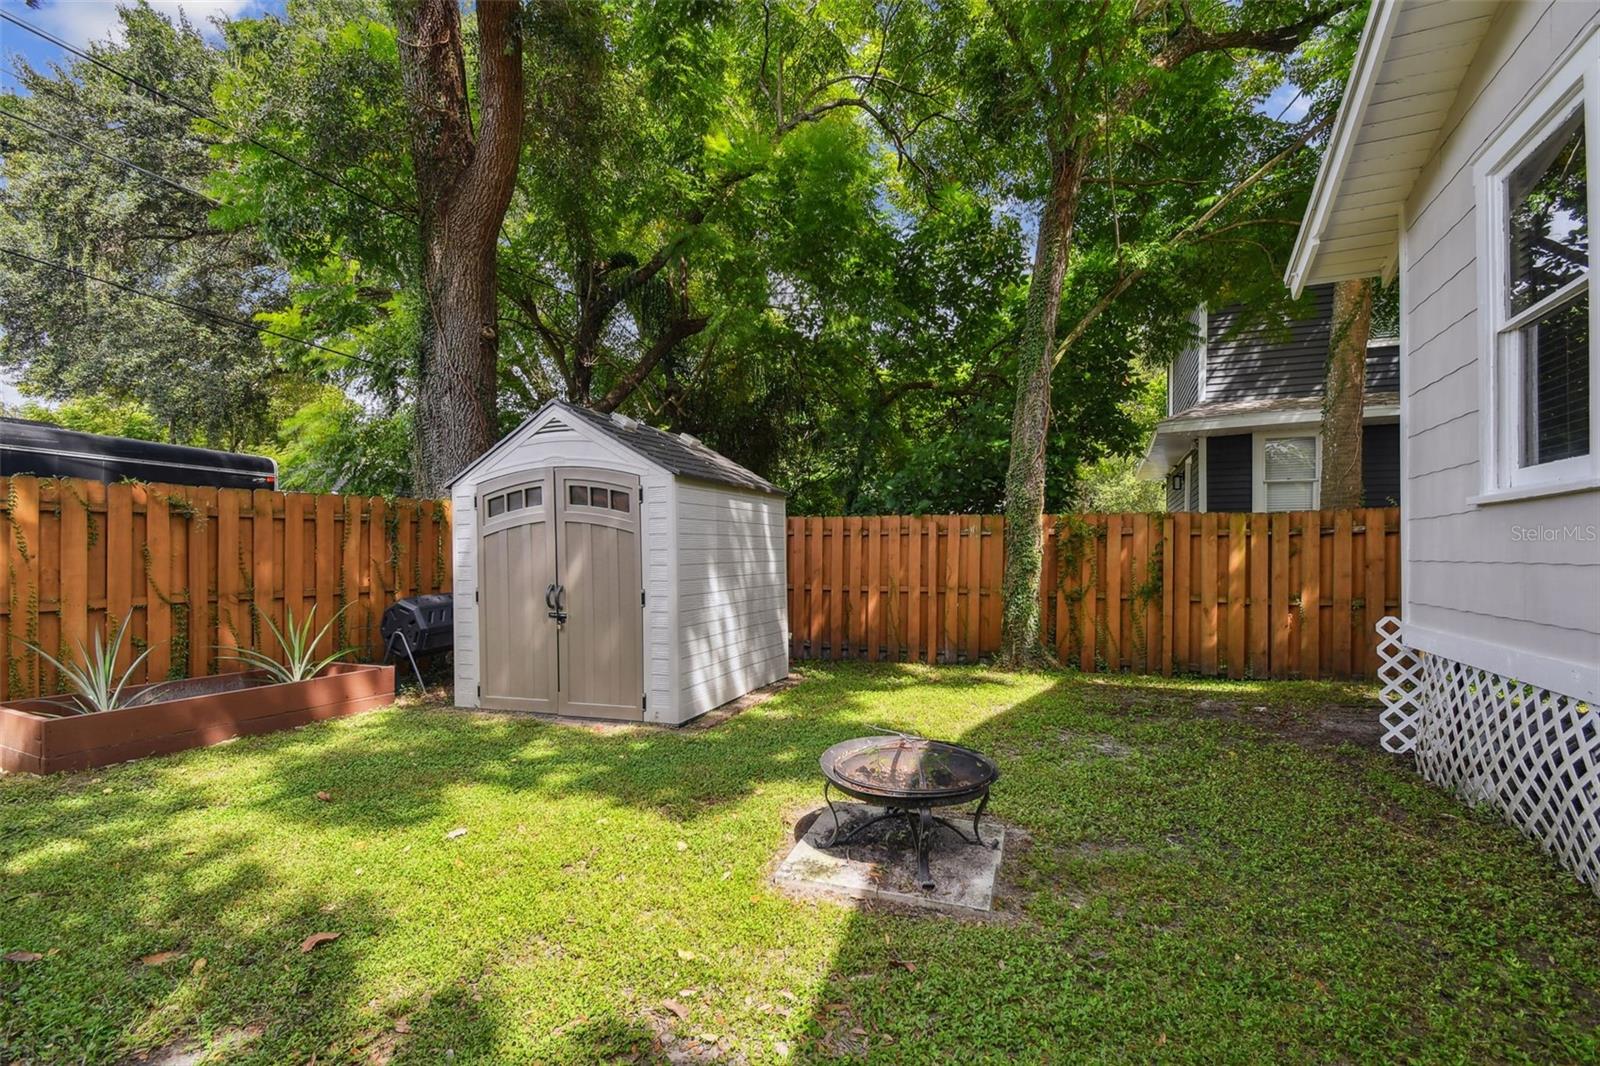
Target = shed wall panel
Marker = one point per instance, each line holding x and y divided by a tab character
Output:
733	619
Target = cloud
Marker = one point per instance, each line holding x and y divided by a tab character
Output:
79	22
1287	103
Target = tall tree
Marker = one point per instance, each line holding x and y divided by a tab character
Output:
107	180
1099	80
1343	397
464	179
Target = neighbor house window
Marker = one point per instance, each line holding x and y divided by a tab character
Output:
1287	479
1536	262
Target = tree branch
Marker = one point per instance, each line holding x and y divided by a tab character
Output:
678	330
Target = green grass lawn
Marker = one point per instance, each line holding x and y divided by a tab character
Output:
1210	876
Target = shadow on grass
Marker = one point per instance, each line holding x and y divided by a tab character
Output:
1210	887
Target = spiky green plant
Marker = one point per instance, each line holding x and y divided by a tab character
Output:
298	645
97	684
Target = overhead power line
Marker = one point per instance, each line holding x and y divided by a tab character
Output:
191	308
130	164
204	115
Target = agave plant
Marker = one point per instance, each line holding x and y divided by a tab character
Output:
299	647
97	683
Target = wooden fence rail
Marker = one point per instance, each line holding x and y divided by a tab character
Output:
196	569
1242	595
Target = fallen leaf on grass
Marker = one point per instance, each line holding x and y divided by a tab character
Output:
457	833
686	956
676	1008
199	964
160	958
402	1025
315	939
904	964
683	845
23	956
325	796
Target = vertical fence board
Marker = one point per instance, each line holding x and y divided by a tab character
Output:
156	562
228	557
1113	631
119	564
74	594
1278	617
264	573
1259	614
1310	593
1340	620
1238	562
1374	589
932	624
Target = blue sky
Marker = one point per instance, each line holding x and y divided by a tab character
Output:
82	21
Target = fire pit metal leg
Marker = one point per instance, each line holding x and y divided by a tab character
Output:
922	830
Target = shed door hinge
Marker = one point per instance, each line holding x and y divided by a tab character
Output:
644	701
641	597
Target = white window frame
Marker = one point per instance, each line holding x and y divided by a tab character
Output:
1258	464
1575	84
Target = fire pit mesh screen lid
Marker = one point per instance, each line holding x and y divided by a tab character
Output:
906	767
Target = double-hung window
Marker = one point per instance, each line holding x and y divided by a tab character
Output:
1287	472
1535	261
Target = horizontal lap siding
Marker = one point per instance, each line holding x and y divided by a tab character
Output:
1264	359
732	609
571	447
1522	576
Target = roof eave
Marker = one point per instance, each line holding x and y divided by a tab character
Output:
1330	174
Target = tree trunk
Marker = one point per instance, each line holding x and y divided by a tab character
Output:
1342	397
464	184
1030	419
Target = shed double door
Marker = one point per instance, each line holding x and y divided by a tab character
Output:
560	593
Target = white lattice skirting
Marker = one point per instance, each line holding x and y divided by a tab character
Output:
1531	754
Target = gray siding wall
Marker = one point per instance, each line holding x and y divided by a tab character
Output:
1245	362
1230	485
1468	575
1380	466
1175	492
1383	368
1183	380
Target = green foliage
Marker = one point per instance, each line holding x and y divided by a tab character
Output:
96	413
67	338
96	682
298	647
334	445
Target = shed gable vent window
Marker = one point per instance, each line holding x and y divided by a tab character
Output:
515	500
1289	471
1539	381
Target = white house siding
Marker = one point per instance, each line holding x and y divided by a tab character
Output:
573	447
733	621
1473	583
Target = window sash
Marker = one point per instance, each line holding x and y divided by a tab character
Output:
1503	408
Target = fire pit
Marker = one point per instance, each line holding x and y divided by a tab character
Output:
909	777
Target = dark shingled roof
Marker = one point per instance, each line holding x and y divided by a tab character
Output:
683	456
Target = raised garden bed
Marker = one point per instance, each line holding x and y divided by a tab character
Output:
37	737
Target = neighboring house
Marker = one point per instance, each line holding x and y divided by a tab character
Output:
1460	162
1243	430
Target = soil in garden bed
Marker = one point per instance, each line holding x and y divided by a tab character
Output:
181	689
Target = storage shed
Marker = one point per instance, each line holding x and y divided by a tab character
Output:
608	569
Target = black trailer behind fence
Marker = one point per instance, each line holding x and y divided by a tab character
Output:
43	450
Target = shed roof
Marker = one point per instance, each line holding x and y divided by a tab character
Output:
677	453
1400	98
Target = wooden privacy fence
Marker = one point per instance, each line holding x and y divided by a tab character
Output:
195	570
1292	594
